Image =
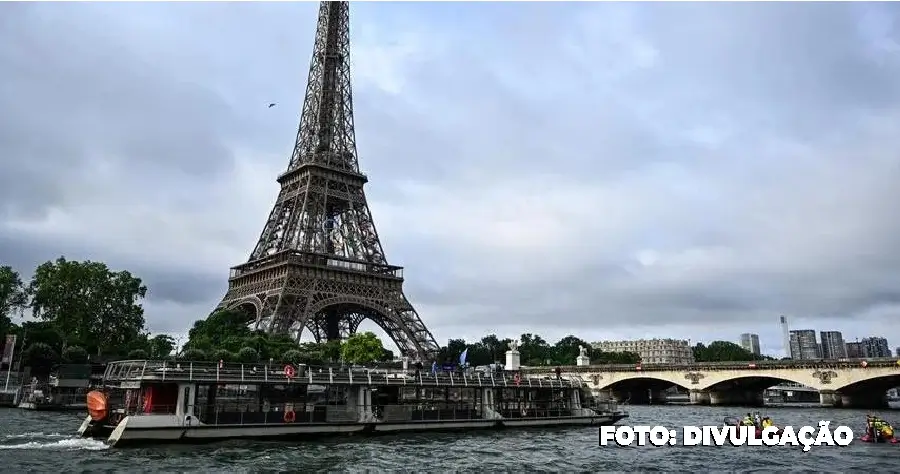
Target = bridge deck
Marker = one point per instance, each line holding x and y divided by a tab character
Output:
761	364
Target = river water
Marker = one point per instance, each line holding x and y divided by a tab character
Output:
44	442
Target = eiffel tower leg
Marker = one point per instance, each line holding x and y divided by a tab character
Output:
332	324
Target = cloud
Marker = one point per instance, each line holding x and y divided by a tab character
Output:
608	170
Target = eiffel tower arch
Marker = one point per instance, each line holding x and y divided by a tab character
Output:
319	265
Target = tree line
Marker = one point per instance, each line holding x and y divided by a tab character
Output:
80	311
83	311
724	351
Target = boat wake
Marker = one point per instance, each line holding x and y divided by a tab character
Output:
51	441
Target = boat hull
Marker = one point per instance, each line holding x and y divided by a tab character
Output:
870	439
130	433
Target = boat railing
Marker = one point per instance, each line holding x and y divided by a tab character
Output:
150	370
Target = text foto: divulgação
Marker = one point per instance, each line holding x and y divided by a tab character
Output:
806	436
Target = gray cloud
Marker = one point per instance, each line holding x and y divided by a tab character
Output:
654	170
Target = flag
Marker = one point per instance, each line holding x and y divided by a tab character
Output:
462	357
8	349
434	367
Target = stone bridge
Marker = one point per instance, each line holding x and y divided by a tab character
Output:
856	383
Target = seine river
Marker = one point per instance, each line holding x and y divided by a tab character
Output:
43	442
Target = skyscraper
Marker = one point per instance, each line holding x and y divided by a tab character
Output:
803	344
875	347
750	343
786	336
833	346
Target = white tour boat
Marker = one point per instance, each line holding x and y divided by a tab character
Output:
159	401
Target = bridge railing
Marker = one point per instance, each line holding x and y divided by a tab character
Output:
744	365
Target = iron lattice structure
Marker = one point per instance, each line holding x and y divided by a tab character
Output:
319	264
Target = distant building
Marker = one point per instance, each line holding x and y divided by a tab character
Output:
786	336
833	346
855	350
804	345
652	351
875	347
750	342
898	352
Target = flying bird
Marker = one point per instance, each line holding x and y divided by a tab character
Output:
272	105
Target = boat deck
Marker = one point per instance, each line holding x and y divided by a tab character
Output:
122	372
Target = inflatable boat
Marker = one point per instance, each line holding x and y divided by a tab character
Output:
732	421
868	438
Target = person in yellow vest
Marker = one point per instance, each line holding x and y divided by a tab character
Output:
767	422
748	420
884	428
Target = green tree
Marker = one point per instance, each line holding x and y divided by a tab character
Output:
362	348
89	303
722	351
75	355
534	350
44	332
160	346
293	356
12	298
247	355
387	355
449	354
193	355
494	350
41	358
566	350
137	354
221	330
223	355
331	350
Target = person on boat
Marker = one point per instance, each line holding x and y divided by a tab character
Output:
870	427
748	420
766	422
757	420
881	429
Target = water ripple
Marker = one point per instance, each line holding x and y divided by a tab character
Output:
29	439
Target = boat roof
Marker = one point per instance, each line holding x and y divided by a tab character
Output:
126	372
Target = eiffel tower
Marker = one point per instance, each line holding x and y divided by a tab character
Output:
319	264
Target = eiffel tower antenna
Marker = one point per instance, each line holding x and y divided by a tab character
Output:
319	264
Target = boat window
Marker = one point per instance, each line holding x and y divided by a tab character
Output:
453	394
409	393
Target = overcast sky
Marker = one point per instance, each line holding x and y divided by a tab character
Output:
608	170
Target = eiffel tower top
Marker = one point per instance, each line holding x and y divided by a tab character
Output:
326	135
322	208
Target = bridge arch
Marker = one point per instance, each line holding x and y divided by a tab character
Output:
639	380
648	382
875	384
754	382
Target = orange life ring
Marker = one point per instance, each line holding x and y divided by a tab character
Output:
97	405
518	379
290	416
289	371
